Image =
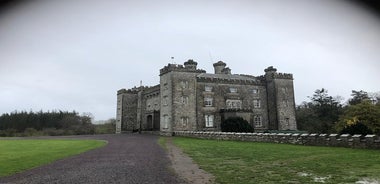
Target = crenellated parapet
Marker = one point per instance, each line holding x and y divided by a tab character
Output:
283	76
128	91
180	68
271	73
236	110
252	81
152	91
279	76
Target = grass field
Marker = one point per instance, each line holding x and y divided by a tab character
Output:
20	155
249	162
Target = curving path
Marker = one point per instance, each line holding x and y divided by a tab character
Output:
127	158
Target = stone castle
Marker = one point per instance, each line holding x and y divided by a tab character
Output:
189	99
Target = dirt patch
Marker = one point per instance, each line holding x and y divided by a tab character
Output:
185	167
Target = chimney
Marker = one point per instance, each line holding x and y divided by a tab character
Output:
219	66
191	64
226	70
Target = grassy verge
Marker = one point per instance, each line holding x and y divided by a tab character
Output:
248	162
19	155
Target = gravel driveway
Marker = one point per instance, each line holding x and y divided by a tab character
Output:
127	158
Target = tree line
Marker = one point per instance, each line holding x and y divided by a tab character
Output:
45	123
327	114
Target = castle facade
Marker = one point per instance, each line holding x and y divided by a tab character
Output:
189	99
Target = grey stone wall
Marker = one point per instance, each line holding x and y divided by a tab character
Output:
166	102
126	114
184	100
285	104
281	101
150	105
221	93
334	140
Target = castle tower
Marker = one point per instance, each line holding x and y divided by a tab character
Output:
281	102
178	96
126	113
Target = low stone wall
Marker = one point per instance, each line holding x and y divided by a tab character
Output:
344	140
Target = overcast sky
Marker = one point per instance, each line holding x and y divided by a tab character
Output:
75	55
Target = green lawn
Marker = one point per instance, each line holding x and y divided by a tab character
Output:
19	155
249	162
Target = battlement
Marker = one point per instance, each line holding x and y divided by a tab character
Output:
280	76
180	68
135	90
153	90
236	110
229	79
128	91
283	76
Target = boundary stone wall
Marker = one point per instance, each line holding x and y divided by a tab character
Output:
333	140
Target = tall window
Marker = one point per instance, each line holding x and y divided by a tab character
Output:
284	90
258	121
165	100
209	120
165	86
184	84
286	103
166	121
233	90
184	99
256	103
233	104
208	88
208	102
184	121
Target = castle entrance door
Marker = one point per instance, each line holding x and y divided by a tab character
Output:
156	120
149	122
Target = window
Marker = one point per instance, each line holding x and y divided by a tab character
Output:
184	84
208	88
208	102
166	121
184	121
233	104
287	121
284	90
255	91
286	103
258	121
256	103
165	100
165	86
233	90
148	106
184	99
209	119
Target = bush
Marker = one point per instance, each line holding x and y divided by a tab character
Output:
358	128
10	132
236	124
